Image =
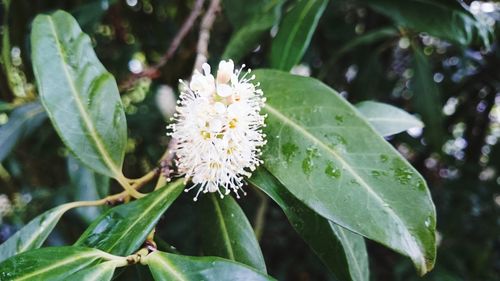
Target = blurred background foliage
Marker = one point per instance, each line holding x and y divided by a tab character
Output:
437	59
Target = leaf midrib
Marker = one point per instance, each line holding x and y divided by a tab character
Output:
414	244
293	33
222	223
58	264
349	250
83	113
145	212
170	267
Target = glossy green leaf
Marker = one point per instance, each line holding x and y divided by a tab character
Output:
32	235
449	21
184	268
247	36
22	122
343	169
86	186
387	119
122	229
342	251
427	98
295	33
80	96
99	272
227	232
53	263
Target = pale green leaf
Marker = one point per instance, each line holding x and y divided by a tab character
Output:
387	119
79	95
342	169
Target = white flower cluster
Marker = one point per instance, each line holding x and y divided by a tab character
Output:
218	129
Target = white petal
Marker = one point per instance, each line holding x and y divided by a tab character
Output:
224	90
226	69
216	125
220	108
206	68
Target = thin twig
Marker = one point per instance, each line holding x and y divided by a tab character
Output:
205	27
153	71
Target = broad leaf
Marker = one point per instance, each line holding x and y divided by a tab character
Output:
22	122
122	229
427	98
343	169
342	251
32	235
86	186
387	119
449	21
183	268
80	96
227	232
295	33
53	263
100	272
247	36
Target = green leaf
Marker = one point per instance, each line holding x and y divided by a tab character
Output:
100	272
32	235
343	169
123	229
238	14
90	14
387	119
246	37
427	98
227	232
449	21
22	122
86	186
342	251
80	96
53	263
295	33
183	268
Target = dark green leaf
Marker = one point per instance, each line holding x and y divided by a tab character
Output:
448	21
54	264
427	98
80	96
32	235
295	33
246	37
90	14
238	14
22	122
183	268
343	169
387	119
227	232
122	230
86	186
342	251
